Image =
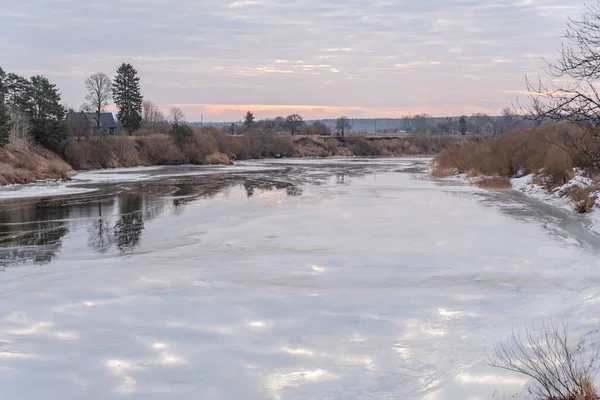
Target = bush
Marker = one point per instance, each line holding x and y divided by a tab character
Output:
558	166
181	133
161	149
583	198
362	147
442	173
559	369
495	182
198	147
529	150
332	145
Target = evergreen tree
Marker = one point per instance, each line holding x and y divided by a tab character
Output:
16	89
2	85
128	98
249	121
462	125
181	132
45	111
5	124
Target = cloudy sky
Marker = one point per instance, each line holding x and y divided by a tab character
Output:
320	58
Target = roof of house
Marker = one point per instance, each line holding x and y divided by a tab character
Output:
107	119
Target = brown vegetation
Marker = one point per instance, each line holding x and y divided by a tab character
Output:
21	162
441	173
368	146
494	182
559	368
204	146
584	198
209	146
213	146
526	151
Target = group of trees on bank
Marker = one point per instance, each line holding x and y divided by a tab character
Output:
30	108
293	123
134	113
125	92
476	124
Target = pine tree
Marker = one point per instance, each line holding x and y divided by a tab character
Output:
462	125
5	125
249	120
2	85
47	114
16	90
128	98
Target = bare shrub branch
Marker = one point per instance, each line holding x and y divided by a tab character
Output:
571	93
559	368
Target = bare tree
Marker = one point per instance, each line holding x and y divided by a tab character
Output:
99	87
176	116
420	122
319	128
571	94
342	125
21	126
152	116
294	123
558	368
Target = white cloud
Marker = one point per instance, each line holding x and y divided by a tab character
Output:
331	52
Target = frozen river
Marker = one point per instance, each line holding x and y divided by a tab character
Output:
316	279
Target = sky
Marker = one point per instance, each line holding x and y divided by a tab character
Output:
319	58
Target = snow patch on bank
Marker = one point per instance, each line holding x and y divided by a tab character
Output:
559	197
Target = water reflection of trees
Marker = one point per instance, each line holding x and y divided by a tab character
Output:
34	230
128	229
32	233
189	192
100	235
251	185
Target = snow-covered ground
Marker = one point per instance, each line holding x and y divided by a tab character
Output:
557	197
379	286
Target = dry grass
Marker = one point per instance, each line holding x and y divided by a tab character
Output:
584	199
25	163
558	166
442	173
494	182
161	149
205	146
529	150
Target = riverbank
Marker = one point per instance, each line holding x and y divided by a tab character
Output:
539	162
22	163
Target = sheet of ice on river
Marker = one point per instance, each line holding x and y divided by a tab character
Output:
157	173
40	189
390	287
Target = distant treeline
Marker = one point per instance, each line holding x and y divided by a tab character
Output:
477	124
